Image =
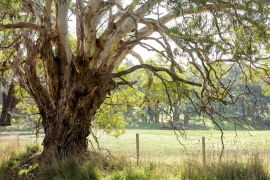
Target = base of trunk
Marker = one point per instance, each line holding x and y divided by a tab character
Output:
65	137
64	144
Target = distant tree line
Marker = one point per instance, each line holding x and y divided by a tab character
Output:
252	104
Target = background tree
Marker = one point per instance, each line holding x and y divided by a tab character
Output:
10	41
208	34
9	103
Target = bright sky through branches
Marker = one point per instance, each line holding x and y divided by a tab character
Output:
145	53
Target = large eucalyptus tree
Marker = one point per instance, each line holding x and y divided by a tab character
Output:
78	81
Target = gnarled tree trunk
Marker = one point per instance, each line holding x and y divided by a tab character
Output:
67	125
9	103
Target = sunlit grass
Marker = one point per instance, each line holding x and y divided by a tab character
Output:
162	156
15	142
160	142
9	145
163	146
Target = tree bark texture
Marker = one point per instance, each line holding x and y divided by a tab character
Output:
67	125
9	103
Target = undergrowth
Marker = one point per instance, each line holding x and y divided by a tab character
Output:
17	165
96	166
252	169
121	169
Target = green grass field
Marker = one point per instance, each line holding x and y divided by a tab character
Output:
169	153
164	144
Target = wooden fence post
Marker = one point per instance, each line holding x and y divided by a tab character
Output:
137	148
203	151
18	141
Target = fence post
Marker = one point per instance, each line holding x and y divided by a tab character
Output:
203	151
137	148
18	141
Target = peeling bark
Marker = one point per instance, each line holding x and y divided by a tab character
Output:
67	125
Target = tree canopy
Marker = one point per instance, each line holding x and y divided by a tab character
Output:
71	70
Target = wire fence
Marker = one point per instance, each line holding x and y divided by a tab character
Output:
161	145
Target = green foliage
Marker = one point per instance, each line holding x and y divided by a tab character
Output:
223	77
26	172
27	106
73	42
208	35
111	119
13	6
164	91
112	115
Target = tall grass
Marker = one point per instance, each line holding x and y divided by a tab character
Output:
162	157
9	146
11	167
252	169
100	167
123	168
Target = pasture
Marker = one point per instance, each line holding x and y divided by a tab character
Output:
165	151
166	145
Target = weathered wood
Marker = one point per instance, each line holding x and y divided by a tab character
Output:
18	141
203	151
68	125
138	148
